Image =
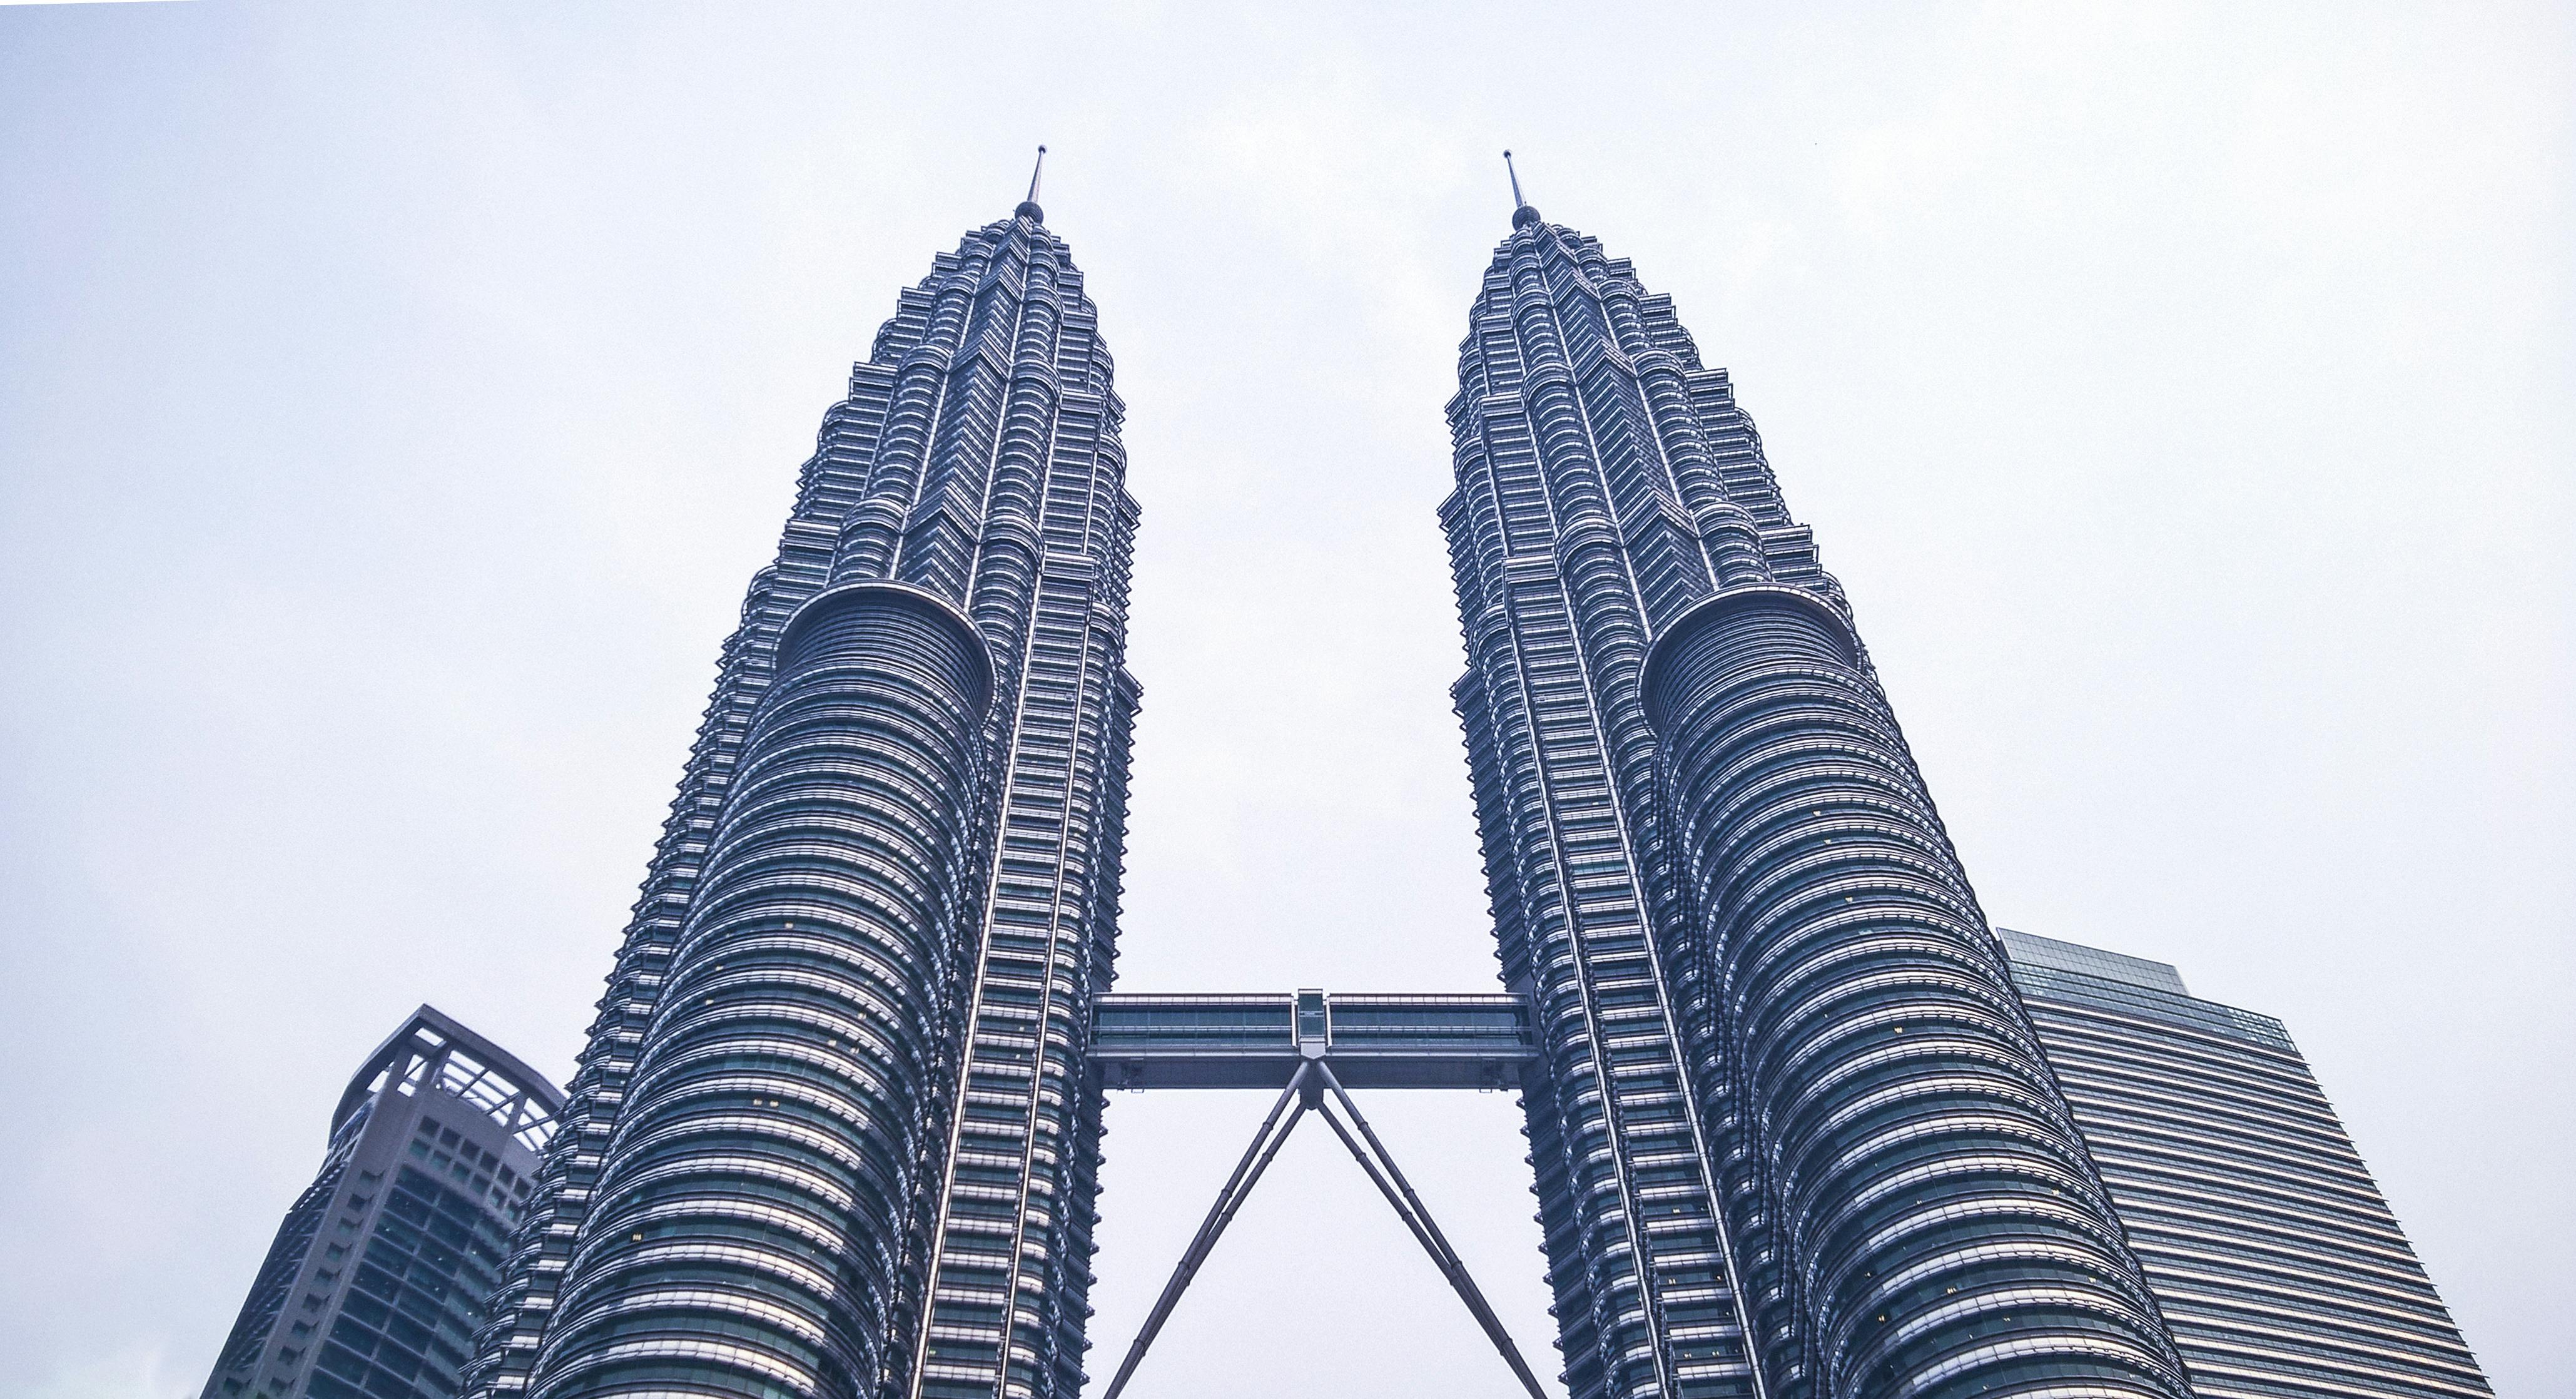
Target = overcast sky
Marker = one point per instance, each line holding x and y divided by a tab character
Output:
395	399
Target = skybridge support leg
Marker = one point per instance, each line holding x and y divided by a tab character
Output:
1256	1159
1307	1089
1390	1182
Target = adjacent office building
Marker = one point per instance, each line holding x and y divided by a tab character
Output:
379	1276
2278	1266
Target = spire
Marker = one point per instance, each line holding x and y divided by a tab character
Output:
1522	214
1029	207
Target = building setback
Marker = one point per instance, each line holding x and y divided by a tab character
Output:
831	1134
1793	1135
2279	1267
836	1131
378	1278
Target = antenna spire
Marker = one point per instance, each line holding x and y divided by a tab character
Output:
1522	214
1029	207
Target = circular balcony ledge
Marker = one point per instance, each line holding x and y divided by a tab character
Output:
919	601
1707	612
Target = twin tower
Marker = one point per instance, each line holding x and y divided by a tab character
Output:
836	1134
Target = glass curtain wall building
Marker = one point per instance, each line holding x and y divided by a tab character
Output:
377	1281
2279	1267
831	1135
1793	1135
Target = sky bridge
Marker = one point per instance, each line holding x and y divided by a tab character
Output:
1260	1041
1313	1047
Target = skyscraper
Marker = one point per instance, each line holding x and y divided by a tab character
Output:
836	1133
376	1283
1793	1132
2279	1267
831	1133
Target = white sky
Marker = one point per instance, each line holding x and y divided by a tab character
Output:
394	401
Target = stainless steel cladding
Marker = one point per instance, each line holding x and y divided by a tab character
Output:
1945	1231
761	1184
1752	1184
831	1134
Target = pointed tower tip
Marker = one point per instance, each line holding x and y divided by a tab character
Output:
1522	214
1029	207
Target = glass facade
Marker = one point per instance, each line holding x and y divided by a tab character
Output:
834	1132
1793	1135
837	1129
381	1272
2279	1267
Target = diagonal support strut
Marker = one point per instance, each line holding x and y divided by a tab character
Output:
1307	1087
1256	1159
1408	1206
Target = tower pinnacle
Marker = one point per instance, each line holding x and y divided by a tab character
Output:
1029	207
1522	214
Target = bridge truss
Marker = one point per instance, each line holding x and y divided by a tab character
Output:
1315	1048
